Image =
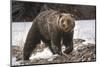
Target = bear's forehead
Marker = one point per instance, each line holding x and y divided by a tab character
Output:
66	14
67	18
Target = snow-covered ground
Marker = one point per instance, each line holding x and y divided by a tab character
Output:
19	32
84	29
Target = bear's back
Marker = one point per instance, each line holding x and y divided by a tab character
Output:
42	22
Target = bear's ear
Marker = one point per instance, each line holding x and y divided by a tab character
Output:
71	15
60	15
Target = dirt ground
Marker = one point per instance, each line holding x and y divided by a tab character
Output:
83	52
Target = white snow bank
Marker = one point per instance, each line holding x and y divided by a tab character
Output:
85	29
45	54
19	32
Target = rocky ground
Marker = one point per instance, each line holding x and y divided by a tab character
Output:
83	52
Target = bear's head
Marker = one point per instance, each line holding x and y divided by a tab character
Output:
66	22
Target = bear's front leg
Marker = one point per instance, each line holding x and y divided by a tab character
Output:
68	42
55	43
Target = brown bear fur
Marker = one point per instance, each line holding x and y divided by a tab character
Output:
51	27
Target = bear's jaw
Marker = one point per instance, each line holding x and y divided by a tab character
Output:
68	30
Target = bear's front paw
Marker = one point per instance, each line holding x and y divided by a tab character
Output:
68	50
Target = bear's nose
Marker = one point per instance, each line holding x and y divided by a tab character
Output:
63	25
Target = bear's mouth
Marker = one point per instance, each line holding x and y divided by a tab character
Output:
69	28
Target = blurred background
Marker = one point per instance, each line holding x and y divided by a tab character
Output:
26	11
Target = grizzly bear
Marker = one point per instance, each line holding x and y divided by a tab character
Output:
51	27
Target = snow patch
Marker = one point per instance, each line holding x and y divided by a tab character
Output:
45	54
85	29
